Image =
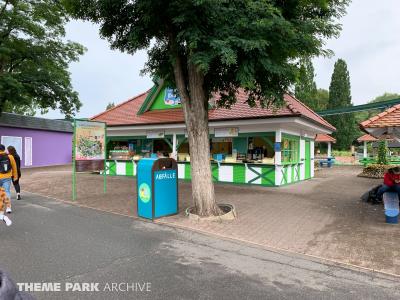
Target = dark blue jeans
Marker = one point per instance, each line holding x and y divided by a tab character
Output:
384	188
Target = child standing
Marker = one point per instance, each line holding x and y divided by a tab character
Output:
4	205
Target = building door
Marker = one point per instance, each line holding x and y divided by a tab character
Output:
307	160
28	151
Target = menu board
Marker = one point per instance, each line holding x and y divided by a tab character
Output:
89	140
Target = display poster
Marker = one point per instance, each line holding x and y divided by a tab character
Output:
89	140
226	132
89	150
170	98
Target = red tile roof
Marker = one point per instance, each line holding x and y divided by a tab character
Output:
324	138
126	112
367	138
388	118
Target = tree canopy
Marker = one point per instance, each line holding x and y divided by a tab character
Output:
249	44
305	87
322	99
34	57
340	96
384	97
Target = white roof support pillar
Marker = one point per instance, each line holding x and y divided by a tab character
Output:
365	154
278	139
174	150
329	149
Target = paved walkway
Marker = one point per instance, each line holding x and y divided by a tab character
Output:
322	217
54	242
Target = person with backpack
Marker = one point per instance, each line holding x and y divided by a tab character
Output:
11	150
391	182
8	172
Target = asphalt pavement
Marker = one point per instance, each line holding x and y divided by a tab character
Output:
68	248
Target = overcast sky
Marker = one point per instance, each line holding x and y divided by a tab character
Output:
369	43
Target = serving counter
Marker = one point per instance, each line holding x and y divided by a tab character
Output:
250	173
239	172
236	172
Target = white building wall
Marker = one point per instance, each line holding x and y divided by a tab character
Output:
302	158
312	157
278	159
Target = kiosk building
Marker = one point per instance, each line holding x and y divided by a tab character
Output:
268	147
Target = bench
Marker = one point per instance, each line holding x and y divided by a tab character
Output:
391	203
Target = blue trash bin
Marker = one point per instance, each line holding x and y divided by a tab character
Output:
391	203
157	187
392	216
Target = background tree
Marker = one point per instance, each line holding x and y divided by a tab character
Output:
26	110
322	99
383	153
202	47
340	96
110	105
34	58
305	87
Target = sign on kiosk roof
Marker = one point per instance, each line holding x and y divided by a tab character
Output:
142	110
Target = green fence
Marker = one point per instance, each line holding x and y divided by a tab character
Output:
394	160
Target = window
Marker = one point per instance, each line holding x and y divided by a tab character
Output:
14	141
290	149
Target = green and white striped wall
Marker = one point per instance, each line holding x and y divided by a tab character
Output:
121	168
265	175
236	173
287	174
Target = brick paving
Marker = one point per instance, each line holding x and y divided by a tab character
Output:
321	217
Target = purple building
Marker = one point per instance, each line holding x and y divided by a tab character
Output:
39	142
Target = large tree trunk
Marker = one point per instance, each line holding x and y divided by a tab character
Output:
195	109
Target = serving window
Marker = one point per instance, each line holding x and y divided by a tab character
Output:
221	146
290	150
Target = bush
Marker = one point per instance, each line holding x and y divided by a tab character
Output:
383	153
375	170
341	153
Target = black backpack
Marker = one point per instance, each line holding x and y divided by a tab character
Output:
372	196
5	164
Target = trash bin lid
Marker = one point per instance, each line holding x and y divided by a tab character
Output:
391	212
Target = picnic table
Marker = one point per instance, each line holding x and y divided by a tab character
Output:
328	162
